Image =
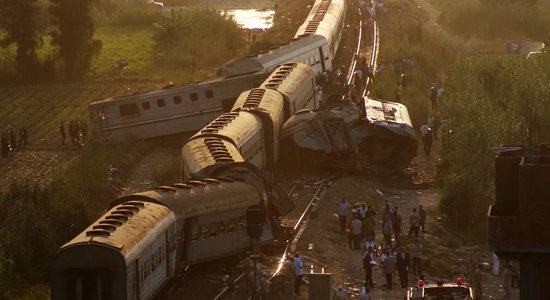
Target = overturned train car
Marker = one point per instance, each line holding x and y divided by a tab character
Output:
136	247
380	136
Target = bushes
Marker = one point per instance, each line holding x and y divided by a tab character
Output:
36	219
490	101
192	38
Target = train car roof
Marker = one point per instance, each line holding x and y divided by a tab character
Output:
392	115
273	58
286	78
201	197
203	152
260	98
322	18
124	227
235	126
173	89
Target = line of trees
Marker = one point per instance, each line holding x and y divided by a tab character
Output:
72	36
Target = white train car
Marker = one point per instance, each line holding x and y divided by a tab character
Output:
327	19
312	50
296	82
136	247
173	110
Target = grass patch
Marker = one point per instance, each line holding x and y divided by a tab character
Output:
470	18
133	44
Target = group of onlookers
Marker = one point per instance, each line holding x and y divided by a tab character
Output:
8	142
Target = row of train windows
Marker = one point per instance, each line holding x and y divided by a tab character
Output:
205	231
154	261
131	109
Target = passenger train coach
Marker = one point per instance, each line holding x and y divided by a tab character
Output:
185	108
137	246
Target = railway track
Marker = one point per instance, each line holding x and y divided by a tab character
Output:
207	278
298	223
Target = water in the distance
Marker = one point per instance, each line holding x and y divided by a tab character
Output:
253	18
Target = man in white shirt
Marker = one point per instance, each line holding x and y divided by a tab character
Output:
356	232
342	211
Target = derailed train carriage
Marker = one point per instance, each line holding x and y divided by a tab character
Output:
137	246
250	132
382	139
186	108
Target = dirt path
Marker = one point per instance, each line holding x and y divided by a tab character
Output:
34	165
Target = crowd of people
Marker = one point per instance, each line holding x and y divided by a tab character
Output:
397	253
8	143
78	132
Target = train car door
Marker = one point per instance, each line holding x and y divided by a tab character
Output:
187	232
322	59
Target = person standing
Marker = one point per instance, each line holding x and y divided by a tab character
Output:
368	264
433	97
388	266
83	131
422	215
414	221
23	137
356	233
387	231
62	133
11	136
478	286
397	225
299	269
342	211
264	286
5	146
416	251
427	138
403	262
507	280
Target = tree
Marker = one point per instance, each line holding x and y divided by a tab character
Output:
74	35
19	19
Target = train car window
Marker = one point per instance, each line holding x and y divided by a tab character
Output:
160	102
204	232
195	233
194	96
177	99
146	105
158	256
130	109
153	262
213	227
209	94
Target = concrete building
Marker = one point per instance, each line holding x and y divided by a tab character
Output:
519	222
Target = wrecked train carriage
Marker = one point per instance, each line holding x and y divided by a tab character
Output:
387	138
383	138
